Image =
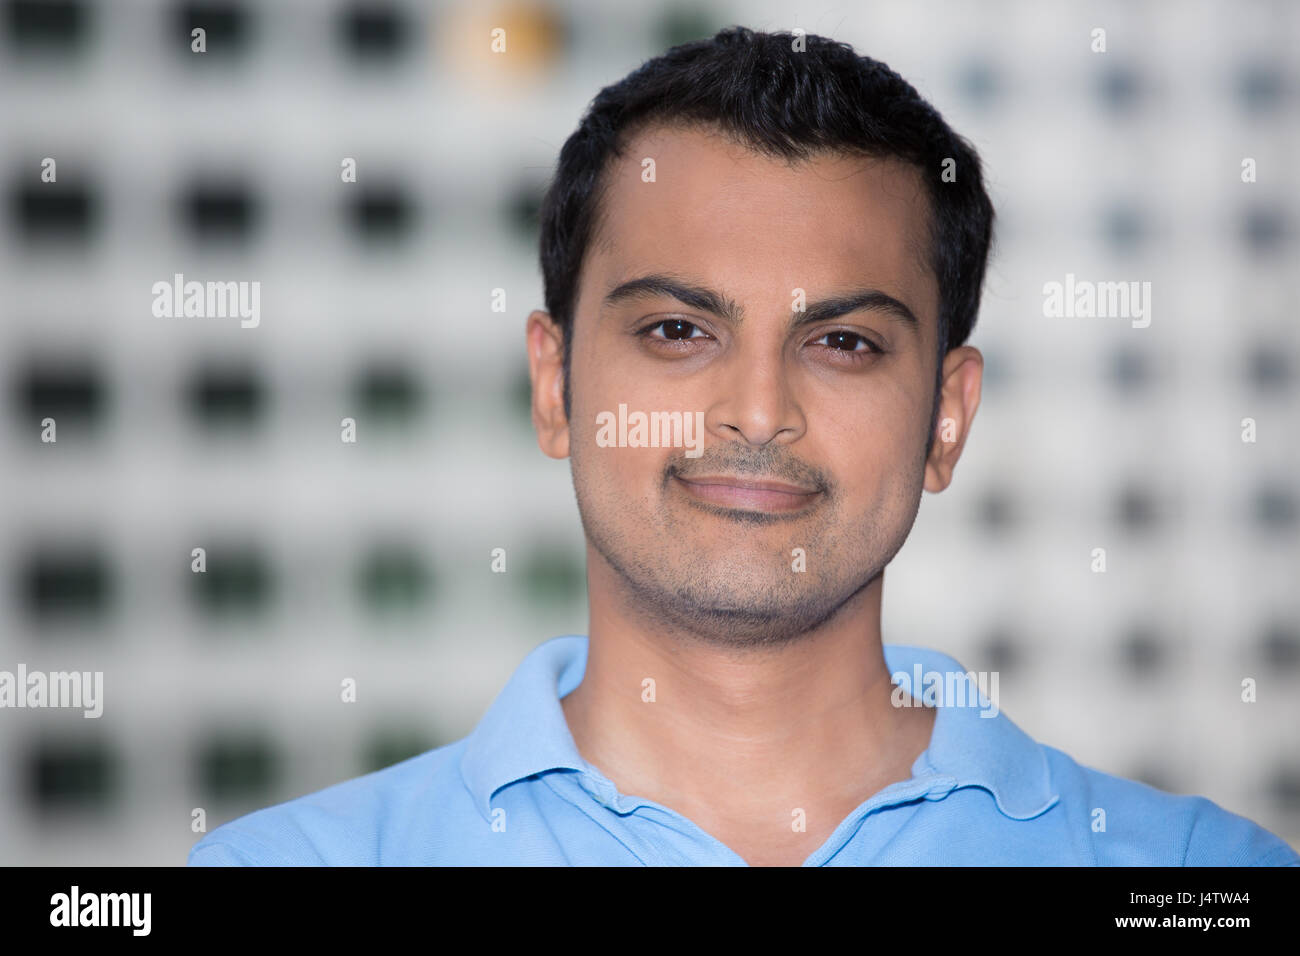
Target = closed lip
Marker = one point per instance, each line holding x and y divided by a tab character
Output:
749	484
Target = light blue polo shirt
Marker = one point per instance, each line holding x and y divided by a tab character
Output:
517	792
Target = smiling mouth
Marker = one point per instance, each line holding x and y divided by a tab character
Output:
748	494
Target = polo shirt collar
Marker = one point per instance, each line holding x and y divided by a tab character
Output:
973	749
524	733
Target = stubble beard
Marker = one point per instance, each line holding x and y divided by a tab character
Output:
745	600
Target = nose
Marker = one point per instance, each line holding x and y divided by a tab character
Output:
756	402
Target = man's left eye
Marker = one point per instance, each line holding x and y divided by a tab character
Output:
847	342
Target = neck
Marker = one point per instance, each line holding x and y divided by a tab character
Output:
738	736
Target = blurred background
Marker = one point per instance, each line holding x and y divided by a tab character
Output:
371	560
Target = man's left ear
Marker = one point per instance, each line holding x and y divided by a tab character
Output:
959	396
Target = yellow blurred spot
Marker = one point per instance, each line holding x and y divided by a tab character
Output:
532	39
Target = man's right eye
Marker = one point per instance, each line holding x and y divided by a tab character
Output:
674	329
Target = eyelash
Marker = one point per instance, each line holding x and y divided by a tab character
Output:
851	355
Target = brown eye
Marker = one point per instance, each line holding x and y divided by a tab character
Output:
844	341
677	329
841	347
674	329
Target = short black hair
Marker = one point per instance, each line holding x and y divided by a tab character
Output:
787	96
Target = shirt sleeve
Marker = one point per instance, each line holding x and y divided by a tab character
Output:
217	854
230	848
1222	838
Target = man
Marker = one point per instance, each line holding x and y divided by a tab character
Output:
762	256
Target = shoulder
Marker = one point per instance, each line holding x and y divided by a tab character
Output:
1134	824
364	821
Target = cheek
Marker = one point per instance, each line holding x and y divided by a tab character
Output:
631	477
874	423
871	446
603	378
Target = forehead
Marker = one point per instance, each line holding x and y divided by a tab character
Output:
718	209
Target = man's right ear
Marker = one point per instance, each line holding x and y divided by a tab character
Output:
546	371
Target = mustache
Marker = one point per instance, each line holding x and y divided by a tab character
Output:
767	462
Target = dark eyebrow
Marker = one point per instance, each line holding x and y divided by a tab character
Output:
871	299
716	303
697	297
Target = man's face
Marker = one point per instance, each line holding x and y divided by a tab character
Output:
833	432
